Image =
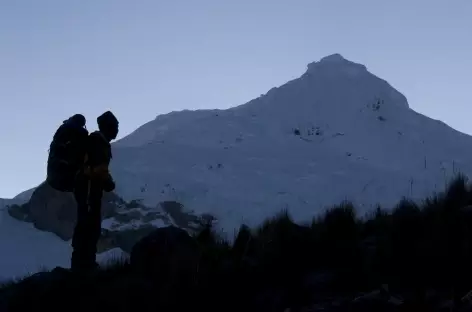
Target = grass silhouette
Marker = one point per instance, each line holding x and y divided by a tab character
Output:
422	251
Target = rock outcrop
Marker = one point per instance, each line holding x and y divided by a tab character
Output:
166	253
124	223
56	212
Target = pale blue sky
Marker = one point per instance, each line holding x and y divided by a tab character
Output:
146	57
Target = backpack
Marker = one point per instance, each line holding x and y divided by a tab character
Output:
67	154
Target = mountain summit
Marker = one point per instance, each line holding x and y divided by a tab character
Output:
333	61
338	132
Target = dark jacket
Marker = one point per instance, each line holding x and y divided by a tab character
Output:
98	159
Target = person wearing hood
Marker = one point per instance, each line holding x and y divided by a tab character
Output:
91	182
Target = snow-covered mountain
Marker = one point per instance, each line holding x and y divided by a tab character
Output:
336	133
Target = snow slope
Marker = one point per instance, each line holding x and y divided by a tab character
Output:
26	250
358	140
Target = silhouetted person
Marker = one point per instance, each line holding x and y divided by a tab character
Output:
66	153
91	182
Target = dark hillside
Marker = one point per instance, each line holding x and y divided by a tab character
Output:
417	257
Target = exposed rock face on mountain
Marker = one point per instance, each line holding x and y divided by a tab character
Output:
54	211
124	223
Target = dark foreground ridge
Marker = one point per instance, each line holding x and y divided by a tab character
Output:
414	258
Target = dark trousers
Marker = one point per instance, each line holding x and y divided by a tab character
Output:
88	195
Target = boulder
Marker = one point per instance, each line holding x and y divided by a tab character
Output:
124	239
166	254
54	211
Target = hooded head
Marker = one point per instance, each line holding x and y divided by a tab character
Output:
108	125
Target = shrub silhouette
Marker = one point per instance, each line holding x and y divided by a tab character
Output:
414	248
